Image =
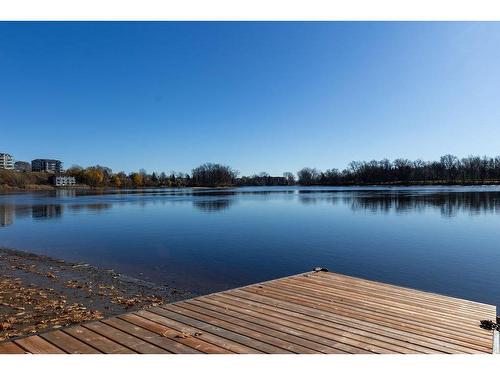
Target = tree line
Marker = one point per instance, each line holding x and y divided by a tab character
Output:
99	176
25	180
207	174
448	170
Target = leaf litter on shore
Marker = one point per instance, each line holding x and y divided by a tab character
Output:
39	293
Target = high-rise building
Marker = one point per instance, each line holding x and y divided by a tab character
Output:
46	165
6	161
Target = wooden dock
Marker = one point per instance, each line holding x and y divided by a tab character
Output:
315	312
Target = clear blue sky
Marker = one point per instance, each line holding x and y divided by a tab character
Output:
269	97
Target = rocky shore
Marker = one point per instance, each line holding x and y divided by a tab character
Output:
38	293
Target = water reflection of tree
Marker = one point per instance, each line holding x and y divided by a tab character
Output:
213	205
449	203
90	207
312	199
43	211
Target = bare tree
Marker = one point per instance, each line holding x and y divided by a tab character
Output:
289	177
210	174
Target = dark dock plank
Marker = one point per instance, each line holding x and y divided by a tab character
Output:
315	312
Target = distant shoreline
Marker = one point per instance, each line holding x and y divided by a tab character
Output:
8	188
36	188
448	170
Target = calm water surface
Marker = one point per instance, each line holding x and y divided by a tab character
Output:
441	239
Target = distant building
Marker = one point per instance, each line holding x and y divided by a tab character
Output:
46	165
6	161
22	166
63	180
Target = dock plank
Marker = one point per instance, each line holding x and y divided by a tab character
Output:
68	343
258	339
305	341
37	345
99	342
125	339
350	324
316	330
465	313
185	341
399	322
164	341
400	290
11	348
218	331
429	318
226	344
313	312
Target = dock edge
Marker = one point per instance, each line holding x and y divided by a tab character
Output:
496	342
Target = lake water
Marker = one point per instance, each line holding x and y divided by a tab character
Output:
441	239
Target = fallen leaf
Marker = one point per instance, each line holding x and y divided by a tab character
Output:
185	335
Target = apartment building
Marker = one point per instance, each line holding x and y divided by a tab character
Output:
63	180
46	165
6	161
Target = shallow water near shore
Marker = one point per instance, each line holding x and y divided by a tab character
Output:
440	239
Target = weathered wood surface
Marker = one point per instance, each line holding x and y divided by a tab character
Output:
315	312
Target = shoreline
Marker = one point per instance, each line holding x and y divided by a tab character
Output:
39	293
38	188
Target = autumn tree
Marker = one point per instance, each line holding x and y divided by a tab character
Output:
137	179
93	176
77	172
116	180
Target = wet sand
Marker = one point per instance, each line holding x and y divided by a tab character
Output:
39	293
